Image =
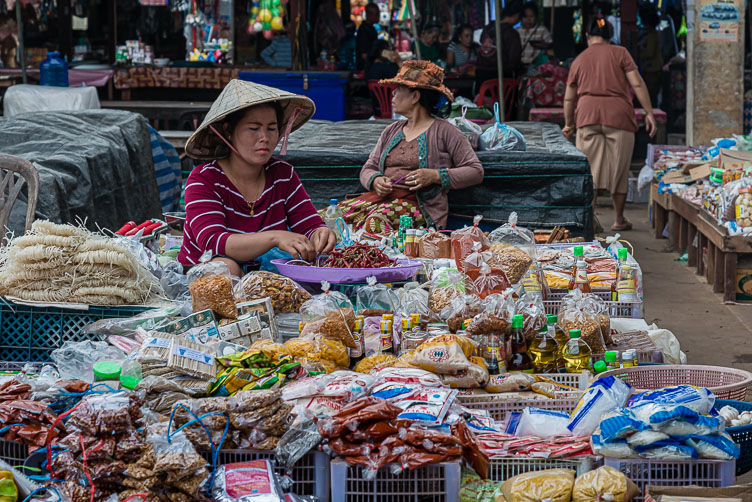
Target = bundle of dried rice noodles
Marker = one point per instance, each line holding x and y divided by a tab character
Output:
69	264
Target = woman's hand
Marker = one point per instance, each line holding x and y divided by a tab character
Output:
382	186
568	131
323	240
422	178
650	126
297	245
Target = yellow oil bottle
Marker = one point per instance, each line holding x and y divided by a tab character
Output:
577	354
561	339
543	352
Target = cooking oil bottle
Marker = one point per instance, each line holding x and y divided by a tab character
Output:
577	354
543	352
560	337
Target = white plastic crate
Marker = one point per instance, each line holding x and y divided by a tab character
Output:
433	483
498	405
700	472
557	294
629	310
503	468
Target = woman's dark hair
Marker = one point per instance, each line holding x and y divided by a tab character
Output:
430	25
601	28
233	119
376	49
459	30
531	6
430	100
513	8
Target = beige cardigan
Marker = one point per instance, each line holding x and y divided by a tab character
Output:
449	152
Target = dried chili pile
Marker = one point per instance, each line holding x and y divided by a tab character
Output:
358	256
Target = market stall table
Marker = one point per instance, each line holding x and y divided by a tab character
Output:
76	77
185	77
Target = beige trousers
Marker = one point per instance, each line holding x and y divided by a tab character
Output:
609	152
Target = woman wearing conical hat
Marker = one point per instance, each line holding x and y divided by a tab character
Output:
243	202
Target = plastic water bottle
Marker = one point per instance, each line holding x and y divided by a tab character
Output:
54	71
330	217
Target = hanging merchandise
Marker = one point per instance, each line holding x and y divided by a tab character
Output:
577	26
267	16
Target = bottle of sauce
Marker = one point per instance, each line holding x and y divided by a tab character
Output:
626	283
411	243
387	346
560	337
622	258
519	360
577	353
579	278
495	356
543	352
359	352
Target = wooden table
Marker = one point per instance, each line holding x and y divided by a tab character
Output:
710	250
161	113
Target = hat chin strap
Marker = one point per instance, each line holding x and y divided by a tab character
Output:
288	129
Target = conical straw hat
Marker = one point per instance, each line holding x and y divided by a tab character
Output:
238	94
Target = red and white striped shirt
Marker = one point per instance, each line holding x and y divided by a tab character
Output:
215	209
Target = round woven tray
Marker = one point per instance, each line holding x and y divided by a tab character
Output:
726	383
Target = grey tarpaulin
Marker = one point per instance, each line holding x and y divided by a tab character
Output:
549	184
93	164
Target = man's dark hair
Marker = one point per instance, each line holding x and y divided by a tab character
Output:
373	6
513	8
531	6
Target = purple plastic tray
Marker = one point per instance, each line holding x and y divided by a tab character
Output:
301	273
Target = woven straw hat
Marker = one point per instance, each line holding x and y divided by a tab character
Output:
421	75
238	94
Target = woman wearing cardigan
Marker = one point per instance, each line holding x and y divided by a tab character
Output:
416	161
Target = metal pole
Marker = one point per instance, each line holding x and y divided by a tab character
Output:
414	24
21	50
499	62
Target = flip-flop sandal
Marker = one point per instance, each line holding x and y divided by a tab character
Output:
627	225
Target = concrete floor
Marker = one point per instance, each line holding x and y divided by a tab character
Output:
681	301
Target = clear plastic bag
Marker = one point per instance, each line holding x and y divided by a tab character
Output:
210	283
414	300
470	129
295	443
376	296
485	280
502	137
286	295
461	308
174	282
435	245
463	240
512	235
587	322
476	257
253	481
495	315
533	311
330	314
75	360
600	311
446	285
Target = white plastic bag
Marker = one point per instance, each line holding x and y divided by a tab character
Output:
602	396
470	129
645	177
502	137
543	423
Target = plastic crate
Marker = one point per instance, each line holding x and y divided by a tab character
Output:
13	452
699	472
725	383
503	468
742	435
567	245
31	333
433	483
498	405
18	366
630	310
310	475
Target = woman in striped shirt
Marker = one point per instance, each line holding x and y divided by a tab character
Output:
243	202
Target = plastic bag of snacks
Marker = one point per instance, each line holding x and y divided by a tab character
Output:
485	280
210	283
470	129
477	257
330	314
604	483
444	354
461	308
435	245
551	485
286	295
376	296
375	362
530	305
599	309
414	300
253	481
578	317
446	285
463	240
495	316
474	376
510	234
512	260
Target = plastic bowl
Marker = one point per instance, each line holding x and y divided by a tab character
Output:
405	270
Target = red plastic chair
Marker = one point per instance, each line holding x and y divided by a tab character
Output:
383	93
489	90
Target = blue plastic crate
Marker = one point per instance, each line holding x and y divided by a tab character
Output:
742	435
30	333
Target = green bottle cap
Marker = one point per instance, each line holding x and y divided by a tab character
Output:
622	253
129	381
611	356
518	321
575	333
600	366
551	319
578	251
106	370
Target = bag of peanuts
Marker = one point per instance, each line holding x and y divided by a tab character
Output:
446	285
510	234
530	305
495	316
286	295
599	309
579	317
463	240
461	308
330	314
210	283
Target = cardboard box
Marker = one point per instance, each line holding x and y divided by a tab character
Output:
265	312
694	174
729	159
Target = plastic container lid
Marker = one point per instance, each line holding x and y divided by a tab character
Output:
333	202
551	319
600	366
575	333
578	251
611	355
518	321
129	381
622	253
106	370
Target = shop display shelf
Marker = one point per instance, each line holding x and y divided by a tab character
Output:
433	483
742	435
699	472
503	468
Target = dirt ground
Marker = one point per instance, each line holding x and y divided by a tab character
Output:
681	301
